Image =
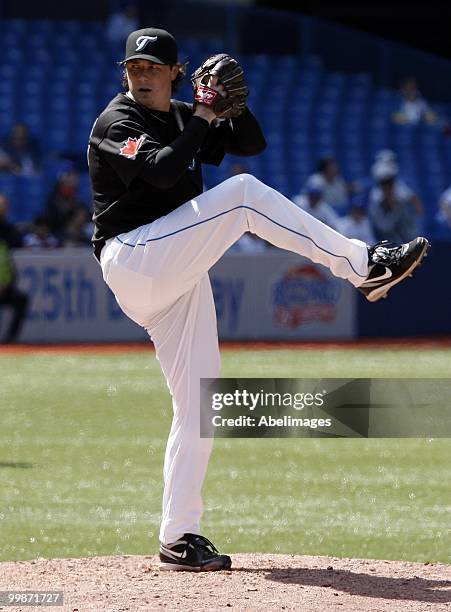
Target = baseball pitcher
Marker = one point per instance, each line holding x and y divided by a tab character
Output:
157	234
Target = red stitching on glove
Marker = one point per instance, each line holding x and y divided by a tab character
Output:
206	95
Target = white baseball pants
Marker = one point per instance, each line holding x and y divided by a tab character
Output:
159	276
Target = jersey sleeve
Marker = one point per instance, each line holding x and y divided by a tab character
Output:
127	147
133	152
240	136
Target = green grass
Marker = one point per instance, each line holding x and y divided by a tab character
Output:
82	439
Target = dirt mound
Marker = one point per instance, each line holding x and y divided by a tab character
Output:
257	582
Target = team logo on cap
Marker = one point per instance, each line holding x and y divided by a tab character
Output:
142	41
131	147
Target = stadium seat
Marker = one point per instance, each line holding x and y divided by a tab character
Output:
69	28
29	198
7	185
16	26
61	42
43	27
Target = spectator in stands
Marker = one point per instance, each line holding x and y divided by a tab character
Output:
8	233
40	235
414	107
385	166
335	190
385	155
63	202
78	230
391	215
120	24
314	203
21	151
356	223
10	295
6	163
443	216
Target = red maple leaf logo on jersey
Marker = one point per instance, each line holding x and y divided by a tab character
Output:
131	147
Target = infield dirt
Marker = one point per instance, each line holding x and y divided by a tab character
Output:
256	582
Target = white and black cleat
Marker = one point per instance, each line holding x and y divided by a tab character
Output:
389	264
192	553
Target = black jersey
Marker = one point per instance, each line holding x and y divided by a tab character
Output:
144	163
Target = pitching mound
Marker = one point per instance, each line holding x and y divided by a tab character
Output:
257	582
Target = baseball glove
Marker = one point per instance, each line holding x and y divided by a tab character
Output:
219	83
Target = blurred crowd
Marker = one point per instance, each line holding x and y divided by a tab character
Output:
381	206
65	219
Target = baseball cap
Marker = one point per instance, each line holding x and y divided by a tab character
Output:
151	44
384	170
315	184
386	155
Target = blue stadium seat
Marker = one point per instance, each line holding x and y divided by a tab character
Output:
84	90
7	118
31	106
61	76
37	40
13	56
85	188
89	44
37	73
7	185
360	78
95	28
79	141
65	57
259	62
18	26
35	122
43	27
59	105
286	62
312	62
33	88
112	88
70	27
61	42
29	198
7	92
8	41
7	73
57	139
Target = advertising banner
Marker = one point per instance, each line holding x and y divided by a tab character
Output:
273	295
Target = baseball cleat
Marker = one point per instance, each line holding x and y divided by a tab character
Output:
389	264
192	553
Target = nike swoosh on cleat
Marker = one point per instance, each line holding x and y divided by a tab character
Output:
388	274
172	553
